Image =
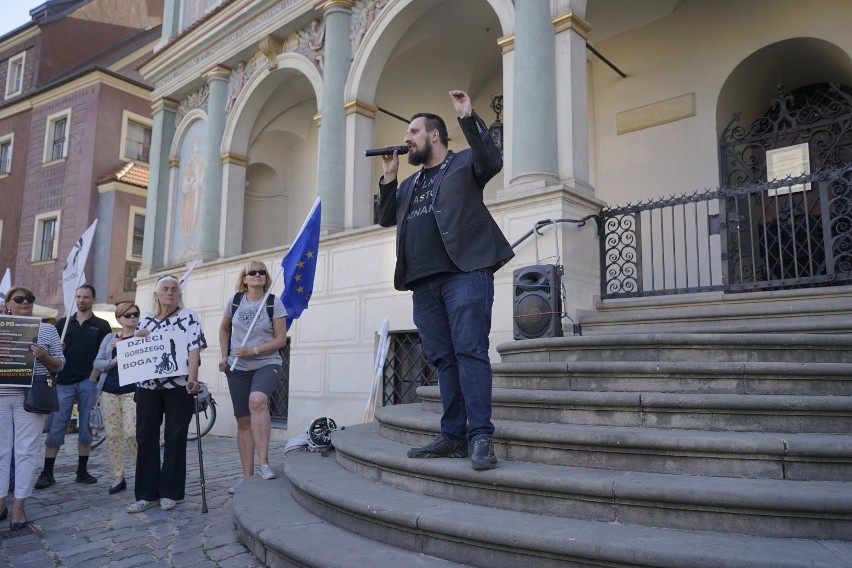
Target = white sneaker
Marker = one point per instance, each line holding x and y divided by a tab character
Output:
141	505
233	488
267	472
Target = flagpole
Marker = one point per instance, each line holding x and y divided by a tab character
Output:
305	223
257	313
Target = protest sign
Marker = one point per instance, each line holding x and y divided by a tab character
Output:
159	355
17	334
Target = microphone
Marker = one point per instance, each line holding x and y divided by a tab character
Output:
400	150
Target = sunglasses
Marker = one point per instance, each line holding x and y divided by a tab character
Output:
22	299
130	315
256	272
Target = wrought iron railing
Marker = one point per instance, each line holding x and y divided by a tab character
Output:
789	233
279	402
406	368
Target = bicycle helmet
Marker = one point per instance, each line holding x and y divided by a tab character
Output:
319	434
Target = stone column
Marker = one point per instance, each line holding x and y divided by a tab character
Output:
360	182
211	203
337	57
534	157
233	177
572	107
171	22
157	205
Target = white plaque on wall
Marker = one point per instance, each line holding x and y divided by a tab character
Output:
791	161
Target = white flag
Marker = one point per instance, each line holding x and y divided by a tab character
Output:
186	274
5	285
72	275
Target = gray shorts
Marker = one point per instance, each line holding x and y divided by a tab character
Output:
243	383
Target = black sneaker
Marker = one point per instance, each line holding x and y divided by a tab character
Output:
44	480
483	454
440	447
86	477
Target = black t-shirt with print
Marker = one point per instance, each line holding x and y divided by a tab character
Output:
425	253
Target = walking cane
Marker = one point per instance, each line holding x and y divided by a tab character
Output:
200	452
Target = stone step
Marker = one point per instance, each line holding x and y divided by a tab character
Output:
815	457
281	533
806	310
776	348
500	538
717	377
722	412
773	508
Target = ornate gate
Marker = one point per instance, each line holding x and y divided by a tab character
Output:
795	231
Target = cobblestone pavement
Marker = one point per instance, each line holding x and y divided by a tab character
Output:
82	525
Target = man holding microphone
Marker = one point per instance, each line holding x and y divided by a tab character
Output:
448	247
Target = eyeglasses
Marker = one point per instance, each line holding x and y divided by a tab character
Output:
130	315
256	272
22	299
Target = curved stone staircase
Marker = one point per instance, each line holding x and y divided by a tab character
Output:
675	450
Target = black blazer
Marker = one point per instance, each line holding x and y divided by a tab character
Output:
471	236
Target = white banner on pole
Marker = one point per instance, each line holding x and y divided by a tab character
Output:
159	355
73	275
5	285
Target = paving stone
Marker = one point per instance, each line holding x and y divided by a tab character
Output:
80	525
188	557
227	551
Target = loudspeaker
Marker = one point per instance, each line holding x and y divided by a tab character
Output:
537	302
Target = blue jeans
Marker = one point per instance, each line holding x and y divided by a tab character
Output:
84	393
453	317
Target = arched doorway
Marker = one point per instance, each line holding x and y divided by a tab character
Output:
787	191
272	126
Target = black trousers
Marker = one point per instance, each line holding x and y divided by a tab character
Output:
153	480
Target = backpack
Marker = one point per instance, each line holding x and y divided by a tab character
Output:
235	303
238	297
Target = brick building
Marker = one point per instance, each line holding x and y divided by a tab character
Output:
75	130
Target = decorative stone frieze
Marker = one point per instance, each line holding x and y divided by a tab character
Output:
195	100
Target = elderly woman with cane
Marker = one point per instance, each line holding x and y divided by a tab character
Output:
117	405
168	398
20	429
251	360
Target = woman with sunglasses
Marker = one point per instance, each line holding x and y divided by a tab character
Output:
18	428
168	401
258	363
117	406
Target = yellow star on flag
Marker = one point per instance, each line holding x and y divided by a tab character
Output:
300	290
309	254
297	277
300	264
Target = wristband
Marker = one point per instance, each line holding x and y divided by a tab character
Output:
255	351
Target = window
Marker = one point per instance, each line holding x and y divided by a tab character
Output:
135	137
137	228
56	136
15	75
6	154
46	243
138	143
57	149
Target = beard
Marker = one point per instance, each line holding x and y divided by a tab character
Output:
418	157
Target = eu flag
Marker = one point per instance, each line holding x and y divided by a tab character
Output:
300	265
